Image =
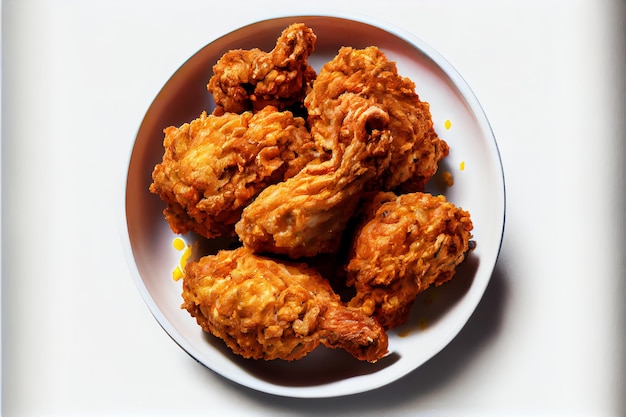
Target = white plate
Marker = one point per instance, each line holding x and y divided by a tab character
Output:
438	314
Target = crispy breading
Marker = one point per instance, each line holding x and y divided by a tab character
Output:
252	79
403	245
215	165
290	187
266	309
306	214
416	148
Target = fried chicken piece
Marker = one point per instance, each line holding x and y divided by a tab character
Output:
266	309
306	214
215	165
252	79
403	245
416	148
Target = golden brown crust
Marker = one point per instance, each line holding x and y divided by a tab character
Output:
215	165
403	245
416	148
252	79
305	215
291	187
266	309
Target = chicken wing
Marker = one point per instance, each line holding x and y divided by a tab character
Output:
252	79
416	148
403	245
265	309
306	214
215	165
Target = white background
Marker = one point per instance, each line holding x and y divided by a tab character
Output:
549	334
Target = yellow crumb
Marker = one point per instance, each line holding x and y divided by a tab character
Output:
462	166
177	273
178	244
185	256
447	124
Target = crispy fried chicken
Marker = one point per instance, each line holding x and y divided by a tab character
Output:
252	79
291	187
306	214
416	148
215	165
266	309
404	244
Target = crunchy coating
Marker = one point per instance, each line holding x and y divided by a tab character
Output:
215	165
252	79
266	309
306	214
290	187
403	245
416	148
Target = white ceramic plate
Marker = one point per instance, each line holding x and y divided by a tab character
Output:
438	314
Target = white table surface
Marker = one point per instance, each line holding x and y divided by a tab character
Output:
548	336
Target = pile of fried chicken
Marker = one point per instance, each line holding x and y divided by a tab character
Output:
298	164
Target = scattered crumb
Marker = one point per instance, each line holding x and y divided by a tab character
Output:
180	245
177	273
